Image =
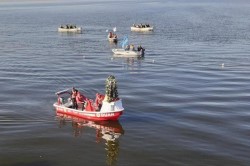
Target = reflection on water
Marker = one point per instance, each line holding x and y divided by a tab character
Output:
186	107
112	151
109	131
131	63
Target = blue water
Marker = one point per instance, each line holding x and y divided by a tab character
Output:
186	102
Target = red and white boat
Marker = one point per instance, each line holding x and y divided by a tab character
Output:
105	107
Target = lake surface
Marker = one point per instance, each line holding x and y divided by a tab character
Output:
186	102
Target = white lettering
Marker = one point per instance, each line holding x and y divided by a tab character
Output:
106	114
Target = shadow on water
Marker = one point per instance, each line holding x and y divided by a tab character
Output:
132	63
35	163
109	131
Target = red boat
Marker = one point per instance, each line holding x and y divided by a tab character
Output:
105	107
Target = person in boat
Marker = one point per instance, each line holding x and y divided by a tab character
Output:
110	35
73	98
127	47
139	48
132	48
98	101
80	100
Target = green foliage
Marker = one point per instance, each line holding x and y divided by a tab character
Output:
111	89
112	148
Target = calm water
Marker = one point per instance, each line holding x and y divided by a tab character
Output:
182	107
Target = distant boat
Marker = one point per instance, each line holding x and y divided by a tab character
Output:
128	50
69	28
142	28
121	52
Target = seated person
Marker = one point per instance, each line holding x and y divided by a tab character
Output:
80	100
127	47
90	105
98	100
132	48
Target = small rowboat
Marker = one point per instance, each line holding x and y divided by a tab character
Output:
120	52
69	28
105	107
142	28
128	50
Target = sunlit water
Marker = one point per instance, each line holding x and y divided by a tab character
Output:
186	102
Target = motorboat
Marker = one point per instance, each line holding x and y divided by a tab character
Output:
120	52
142	28
104	107
69	28
128	50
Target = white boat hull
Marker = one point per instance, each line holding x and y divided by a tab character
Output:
127	53
79	29
146	29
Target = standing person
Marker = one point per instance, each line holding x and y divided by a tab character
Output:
73	98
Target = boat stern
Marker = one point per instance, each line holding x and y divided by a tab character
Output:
115	106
